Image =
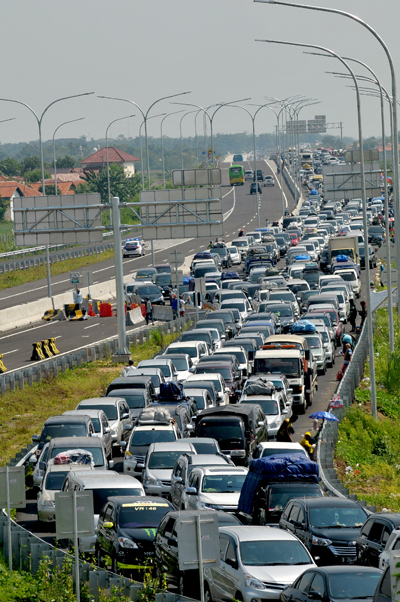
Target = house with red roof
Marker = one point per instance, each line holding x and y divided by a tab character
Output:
99	160
9	190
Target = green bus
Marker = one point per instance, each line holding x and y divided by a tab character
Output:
236	175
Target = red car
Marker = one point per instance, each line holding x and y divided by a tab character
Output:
294	238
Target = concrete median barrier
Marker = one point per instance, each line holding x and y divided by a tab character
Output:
134	316
44	349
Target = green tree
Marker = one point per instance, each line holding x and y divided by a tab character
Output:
10	167
30	163
50	189
4	204
120	186
35	175
67	162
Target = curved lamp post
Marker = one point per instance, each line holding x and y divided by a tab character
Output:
108	163
54	149
162	146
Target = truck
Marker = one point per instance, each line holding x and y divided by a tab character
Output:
293	362
344	245
272	481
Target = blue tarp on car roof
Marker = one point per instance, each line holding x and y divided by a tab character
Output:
230	276
282	467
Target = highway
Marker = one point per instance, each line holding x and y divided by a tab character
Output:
16	345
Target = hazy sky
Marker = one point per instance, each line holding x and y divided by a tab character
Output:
145	49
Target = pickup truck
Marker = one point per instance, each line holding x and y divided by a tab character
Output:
271	482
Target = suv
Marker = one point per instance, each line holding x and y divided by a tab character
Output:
159	464
215	487
374	534
255	187
64	426
269	181
182	471
117	411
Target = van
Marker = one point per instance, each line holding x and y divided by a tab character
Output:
133	382
94	445
63	426
103	486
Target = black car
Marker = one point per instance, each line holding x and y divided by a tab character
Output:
164	283
328	527
285	314
232	377
372	257
253	188
333	583
132	383
324	262
137	400
260	175
283	245
376	235
375	532
127	530
166	549
229	320
151	291
221	250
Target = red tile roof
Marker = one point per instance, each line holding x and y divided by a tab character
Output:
114	156
8	188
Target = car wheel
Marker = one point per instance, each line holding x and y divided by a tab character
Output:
114	567
181	585
207	593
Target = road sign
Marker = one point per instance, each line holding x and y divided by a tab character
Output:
12	495
196	177
204	165
395	277
200	285
210	151
176	257
74	277
180	277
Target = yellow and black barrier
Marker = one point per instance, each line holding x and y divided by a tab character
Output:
53	315
43	349
2	366
73	313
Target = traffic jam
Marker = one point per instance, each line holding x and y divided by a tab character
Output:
206	425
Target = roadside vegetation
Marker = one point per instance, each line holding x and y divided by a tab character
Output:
22	413
368	451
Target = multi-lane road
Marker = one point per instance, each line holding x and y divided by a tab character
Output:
240	209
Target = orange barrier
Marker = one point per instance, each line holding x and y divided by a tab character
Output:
106	310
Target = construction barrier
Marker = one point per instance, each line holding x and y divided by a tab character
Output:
2	366
162	313
73	313
106	310
53	315
43	349
134	316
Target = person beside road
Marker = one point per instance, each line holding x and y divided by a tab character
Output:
129	370
286	429
363	313
149	311
353	317
181	307
241	233
347	356
174	305
78	298
308	442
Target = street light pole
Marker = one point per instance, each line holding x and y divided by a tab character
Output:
162	146
39	121
180	133
395	148
108	163
54	149
364	203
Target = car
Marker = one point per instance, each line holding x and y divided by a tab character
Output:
313	521
137	399
183	469
194	349
374	535
216	379
222	250
126	531
315	343
392	544
200	334
248	174
165	364
182	363
101	426
156	376
201	397
163	281
93	445
132	384
269	181
117	411
145	275
255	187
159	464
63	426
235	255
232	376
256	563
273	448
149	290
333	583
133	248
383	592
214	487
273	407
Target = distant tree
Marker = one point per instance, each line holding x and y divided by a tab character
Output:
50	189
31	163
67	162
35	175
10	167
4	204
120	186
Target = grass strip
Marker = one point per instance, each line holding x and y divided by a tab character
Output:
368	451
22	413
17	277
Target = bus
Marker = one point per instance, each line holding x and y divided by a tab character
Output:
237	158
236	175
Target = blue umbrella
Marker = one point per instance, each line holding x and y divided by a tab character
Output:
324	416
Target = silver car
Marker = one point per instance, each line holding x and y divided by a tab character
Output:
102	428
159	464
216	488
256	563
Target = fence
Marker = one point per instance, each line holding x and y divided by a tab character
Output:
329	432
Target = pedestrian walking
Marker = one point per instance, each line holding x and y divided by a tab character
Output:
129	370
308	442
181	307
347	357
286	429
78	298
149	311
174	305
353	317
363	313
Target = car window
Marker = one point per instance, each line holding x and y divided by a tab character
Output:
318	585
108	513
294	514
223	546
385	534
169	527
301	517
386	587
397	544
231	553
305	581
376	532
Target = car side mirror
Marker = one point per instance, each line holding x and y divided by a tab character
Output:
314	595
227	390
284	412
191	490
35	438
124	416
191	369
127	427
110	464
178	479
107	429
33	459
189	427
139	466
231	562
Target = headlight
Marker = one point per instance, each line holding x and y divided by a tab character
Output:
319	541
46	501
209	506
274	423
151	481
254	583
127	543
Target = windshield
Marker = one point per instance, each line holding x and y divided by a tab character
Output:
145	438
348	276
134	400
289	366
191	351
228	433
163	278
280	310
219	251
97	453
274	452
273	553
100	495
163	269
110	410
269	406
223	483
200	271
232	250
196	336
311	276
140	515
142	291
224	372
55	480
239	305
375	229
345	586
165	460
63	430
144	274
280	496
314	342
332	518
180	363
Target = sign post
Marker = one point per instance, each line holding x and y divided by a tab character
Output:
12	484
178	259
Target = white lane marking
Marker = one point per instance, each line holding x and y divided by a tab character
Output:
190	250
13	351
92	325
23	331
32	290
85	336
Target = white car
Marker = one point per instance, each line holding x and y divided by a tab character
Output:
183	365
317	348
235	255
248	174
327	343
166	365
273	407
350	275
195	349
393	543
133	248
274	448
216	488
240	353
117	411
242	305
269	181
219	382
159	464
143	435
256	563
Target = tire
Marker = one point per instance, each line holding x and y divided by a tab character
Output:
181	584
302	409
207	593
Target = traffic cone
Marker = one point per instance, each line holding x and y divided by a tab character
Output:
91	312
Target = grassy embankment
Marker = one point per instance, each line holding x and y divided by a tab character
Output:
22	413
372	448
